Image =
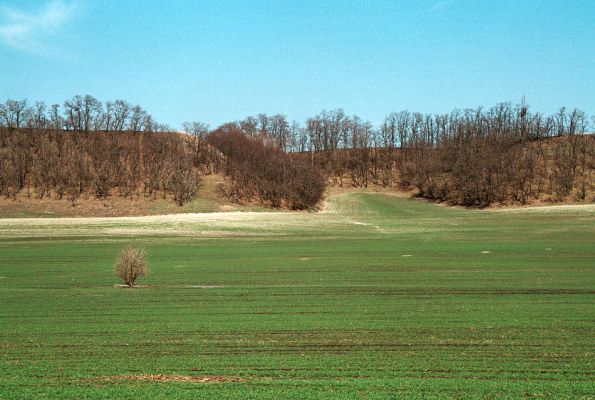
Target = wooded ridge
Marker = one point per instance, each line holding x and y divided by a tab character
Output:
474	157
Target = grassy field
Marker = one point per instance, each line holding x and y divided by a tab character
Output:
375	297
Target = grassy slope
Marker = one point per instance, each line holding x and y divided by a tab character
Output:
382	297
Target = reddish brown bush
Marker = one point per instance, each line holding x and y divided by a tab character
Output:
264	172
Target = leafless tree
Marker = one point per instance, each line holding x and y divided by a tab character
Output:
14	113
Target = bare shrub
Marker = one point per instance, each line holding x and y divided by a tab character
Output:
131	264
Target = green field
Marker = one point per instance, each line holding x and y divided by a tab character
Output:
375	297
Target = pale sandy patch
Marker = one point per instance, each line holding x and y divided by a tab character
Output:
552	208
216	224
235	216
360	223
175	378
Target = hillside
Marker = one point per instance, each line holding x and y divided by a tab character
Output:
78	164
208	199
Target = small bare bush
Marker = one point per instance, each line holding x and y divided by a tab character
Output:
131	264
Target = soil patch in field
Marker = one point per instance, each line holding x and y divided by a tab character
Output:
175	378
203	286
122	286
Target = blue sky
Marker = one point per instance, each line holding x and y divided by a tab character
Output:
217	61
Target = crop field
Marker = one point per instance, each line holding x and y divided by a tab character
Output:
375	297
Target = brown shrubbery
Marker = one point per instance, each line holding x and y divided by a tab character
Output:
131	265
263	171
67	164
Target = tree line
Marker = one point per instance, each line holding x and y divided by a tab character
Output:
89	148
473	157
85	147
496	156
79	114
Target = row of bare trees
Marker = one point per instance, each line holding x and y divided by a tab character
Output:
68	164
470	157
473	157
501	155
79	114
344	148
86	148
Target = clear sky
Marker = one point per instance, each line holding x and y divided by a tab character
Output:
217	61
